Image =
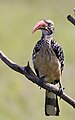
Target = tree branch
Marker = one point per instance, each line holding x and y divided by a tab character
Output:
71	19
27	71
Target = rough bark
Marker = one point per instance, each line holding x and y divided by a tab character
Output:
27	71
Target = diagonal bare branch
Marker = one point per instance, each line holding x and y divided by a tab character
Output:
71	19
27	71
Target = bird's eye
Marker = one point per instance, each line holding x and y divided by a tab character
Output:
49	24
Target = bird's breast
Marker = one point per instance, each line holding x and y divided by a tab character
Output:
46	62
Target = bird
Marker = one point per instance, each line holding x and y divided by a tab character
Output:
48	62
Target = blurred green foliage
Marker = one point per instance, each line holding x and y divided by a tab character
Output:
19	98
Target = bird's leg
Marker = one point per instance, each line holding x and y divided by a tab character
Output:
41	80
61	88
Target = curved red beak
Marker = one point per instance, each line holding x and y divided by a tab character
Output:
39	25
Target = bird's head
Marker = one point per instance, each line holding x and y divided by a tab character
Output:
46	26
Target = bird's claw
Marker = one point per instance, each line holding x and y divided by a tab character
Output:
61	90
41	81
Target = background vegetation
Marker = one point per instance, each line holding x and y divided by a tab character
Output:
19	98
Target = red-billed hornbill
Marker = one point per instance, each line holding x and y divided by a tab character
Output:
48	61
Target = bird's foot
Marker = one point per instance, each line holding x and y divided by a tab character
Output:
41	81
61	90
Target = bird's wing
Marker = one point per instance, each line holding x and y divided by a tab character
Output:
59	52
35	51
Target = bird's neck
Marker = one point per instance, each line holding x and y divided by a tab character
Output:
47	37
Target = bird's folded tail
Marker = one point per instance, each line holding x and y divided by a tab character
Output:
51	104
